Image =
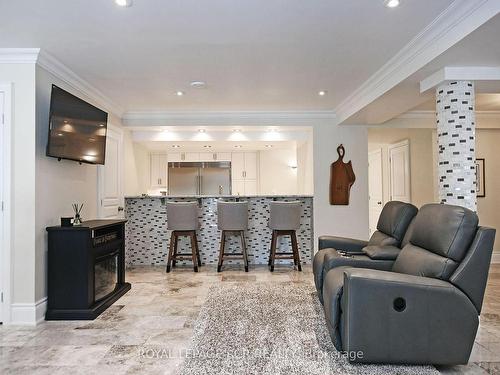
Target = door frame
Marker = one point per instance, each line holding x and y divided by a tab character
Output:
100	171
380	152
6	248
390	147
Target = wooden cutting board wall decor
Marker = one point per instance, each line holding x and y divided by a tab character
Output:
341	179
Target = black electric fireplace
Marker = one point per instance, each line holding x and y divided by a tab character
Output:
86	269
105	275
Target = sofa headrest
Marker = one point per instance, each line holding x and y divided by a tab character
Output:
395	218
445	230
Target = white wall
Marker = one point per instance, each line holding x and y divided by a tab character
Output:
136	167
22	202
58	183
488	208
305	167
351	220
276	175
421	160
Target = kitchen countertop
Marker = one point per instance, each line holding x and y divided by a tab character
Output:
221	196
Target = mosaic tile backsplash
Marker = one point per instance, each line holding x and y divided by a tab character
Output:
147	237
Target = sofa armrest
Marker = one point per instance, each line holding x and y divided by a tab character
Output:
398	318
382	252
349	245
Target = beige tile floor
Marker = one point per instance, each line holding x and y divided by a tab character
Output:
146	331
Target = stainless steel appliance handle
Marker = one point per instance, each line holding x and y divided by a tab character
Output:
201	185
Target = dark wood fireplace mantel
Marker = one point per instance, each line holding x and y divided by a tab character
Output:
86	269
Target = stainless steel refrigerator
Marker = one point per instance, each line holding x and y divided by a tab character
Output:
199	178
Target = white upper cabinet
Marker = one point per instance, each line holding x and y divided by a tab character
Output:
191	156
244	172
174	157
158	170
238	165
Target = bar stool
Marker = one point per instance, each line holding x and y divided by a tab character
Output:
182	220
232	219
284	220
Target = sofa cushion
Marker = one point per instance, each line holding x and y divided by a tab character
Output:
395	218
382	252
445	230
379	238
413	260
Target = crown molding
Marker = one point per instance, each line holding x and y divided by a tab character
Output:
457	21
214	118
460	73
19	55
61	71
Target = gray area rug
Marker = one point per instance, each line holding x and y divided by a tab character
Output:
264	328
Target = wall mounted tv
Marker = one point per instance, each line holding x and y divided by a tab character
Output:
77	129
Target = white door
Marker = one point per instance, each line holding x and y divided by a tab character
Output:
110	177
375	189
399	171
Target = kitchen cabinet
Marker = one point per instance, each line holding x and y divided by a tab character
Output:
244	172
158	170
191	156
174	157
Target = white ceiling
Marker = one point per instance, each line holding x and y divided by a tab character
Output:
254	55
480	48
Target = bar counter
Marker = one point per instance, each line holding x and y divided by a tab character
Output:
147	238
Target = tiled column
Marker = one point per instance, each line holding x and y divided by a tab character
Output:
456	143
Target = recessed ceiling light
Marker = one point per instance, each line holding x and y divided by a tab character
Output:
322	93
124	3
179	93
176	146
268	146
391	3
201	130
236	130
238	146
198	84
272	130
207	146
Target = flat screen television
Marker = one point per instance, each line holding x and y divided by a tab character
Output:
77	129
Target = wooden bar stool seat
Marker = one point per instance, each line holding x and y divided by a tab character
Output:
232	219
182	220
284	220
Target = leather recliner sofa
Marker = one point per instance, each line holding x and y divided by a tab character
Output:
425	309
380	252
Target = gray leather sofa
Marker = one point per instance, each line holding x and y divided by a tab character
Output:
425	309
379	252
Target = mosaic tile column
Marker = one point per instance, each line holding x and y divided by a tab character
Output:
456	143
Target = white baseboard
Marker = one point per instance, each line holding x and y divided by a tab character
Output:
28	313
495	258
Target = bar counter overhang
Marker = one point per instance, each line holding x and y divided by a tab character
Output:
147	238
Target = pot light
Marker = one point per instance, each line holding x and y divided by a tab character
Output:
237	130
391	3
238	146
176	146
179	93
201	130
268	146
322	93
124	3
207	146
198	84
